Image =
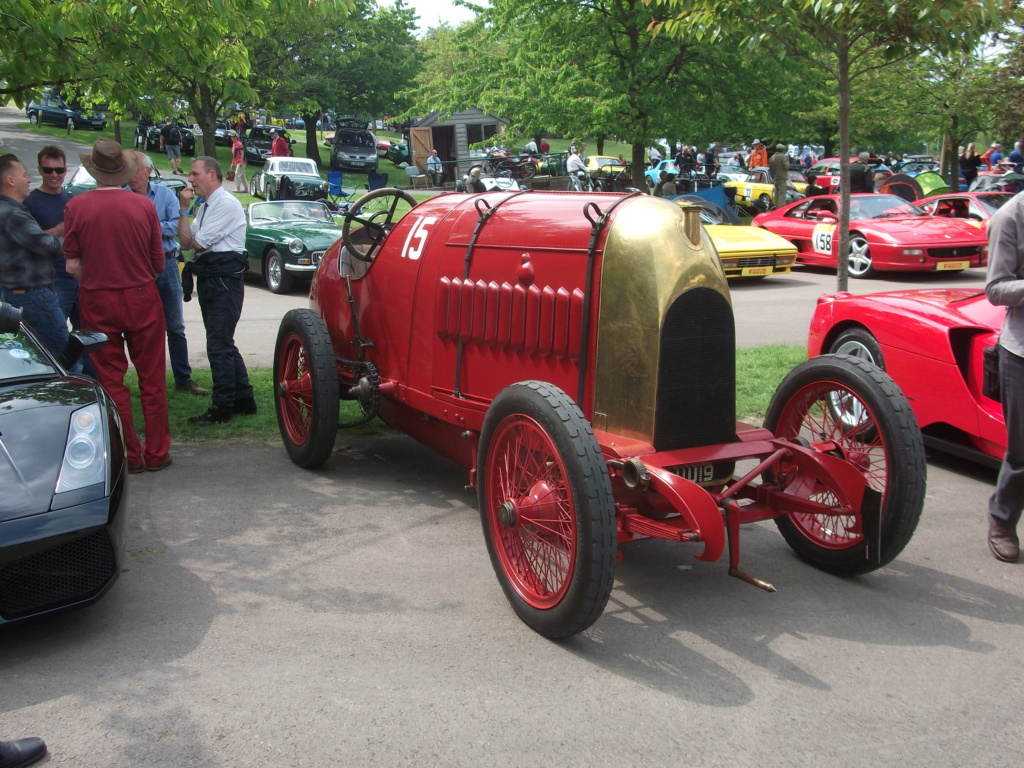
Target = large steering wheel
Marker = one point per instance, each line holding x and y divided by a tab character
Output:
377	220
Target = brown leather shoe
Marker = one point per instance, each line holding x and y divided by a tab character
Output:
1003	541
165	462
192	388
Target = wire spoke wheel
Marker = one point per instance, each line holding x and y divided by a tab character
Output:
850	409
547	509
306	388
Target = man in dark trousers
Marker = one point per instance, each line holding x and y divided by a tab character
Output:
170	142
779	168
1005	287
27	254
860	175
113	247
218	236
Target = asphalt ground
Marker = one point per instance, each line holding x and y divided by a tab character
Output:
349	616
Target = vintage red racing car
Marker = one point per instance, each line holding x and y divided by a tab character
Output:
575	352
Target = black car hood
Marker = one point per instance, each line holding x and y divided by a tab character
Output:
34	421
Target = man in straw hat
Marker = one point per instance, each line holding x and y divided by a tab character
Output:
113	246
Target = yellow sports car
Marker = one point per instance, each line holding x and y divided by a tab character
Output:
758	186
743	250
605	163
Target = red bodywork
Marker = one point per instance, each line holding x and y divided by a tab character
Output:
932	342
417	307
975	207
827	171
933	243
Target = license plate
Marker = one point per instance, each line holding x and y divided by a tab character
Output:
755	271
942	265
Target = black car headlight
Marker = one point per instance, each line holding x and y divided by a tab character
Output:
296	246
85	453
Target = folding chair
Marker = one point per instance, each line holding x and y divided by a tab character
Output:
338	195
376	181
415	175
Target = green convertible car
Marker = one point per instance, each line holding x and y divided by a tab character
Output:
302	175
285	239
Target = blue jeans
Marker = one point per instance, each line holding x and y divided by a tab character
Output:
1008	500
220	300
41	310
67	296
168	283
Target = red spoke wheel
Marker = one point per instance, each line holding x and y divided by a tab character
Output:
547	508
849	408
306	388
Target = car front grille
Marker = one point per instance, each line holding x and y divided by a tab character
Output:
964	252
317	255
63	575
754	261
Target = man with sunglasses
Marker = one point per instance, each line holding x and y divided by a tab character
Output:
46	204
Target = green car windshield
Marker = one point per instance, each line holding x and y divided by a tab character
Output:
290	210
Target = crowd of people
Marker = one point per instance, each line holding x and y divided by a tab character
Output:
108	260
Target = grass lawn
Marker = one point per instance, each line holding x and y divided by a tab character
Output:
758	373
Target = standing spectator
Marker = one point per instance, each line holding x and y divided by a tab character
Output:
531	147
46	204
218	237
759	156
435	169
170	142
575	163
168	282
278	144
241	124
472	182
113	245
27	254
736	161
808	159
996	157
238	163
1017	158
860	175
545	148
969	165
654	155
779	168
1005	287
710	163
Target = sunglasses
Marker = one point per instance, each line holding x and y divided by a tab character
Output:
53	170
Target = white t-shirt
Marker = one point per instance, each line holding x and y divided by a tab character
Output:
575	164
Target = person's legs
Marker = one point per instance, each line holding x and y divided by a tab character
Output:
41	310
235	297
168	283
1006	503
110	361
780	193
144	324
219	332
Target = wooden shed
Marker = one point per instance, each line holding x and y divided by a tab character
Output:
452	138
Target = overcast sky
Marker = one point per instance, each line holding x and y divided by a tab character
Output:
433	12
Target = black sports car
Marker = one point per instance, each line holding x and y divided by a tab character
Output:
257	143
62	476
148	137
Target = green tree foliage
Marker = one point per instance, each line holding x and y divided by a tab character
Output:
592	68
845	39
355	62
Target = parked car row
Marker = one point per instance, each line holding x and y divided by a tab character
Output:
51	108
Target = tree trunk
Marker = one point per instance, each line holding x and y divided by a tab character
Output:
951	160
600	145
117	131
843	265
637	165
206	118
312	145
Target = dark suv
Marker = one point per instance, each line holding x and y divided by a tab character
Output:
353	149
52	108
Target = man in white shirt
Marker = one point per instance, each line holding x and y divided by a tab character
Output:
654	156
531	147
218	236
435	169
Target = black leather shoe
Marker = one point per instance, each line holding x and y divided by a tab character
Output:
1003	541
217	414
21	752
246	406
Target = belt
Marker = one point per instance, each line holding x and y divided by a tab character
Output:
172	254
20	291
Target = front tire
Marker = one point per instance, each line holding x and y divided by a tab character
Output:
33	118
277	278
306	388
875	430
547	509
859	343
860	257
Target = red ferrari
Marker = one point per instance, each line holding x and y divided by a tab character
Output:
886	233
931	342
977	207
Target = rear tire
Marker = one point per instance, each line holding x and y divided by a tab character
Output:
254	189
883	442
33	118
306	388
